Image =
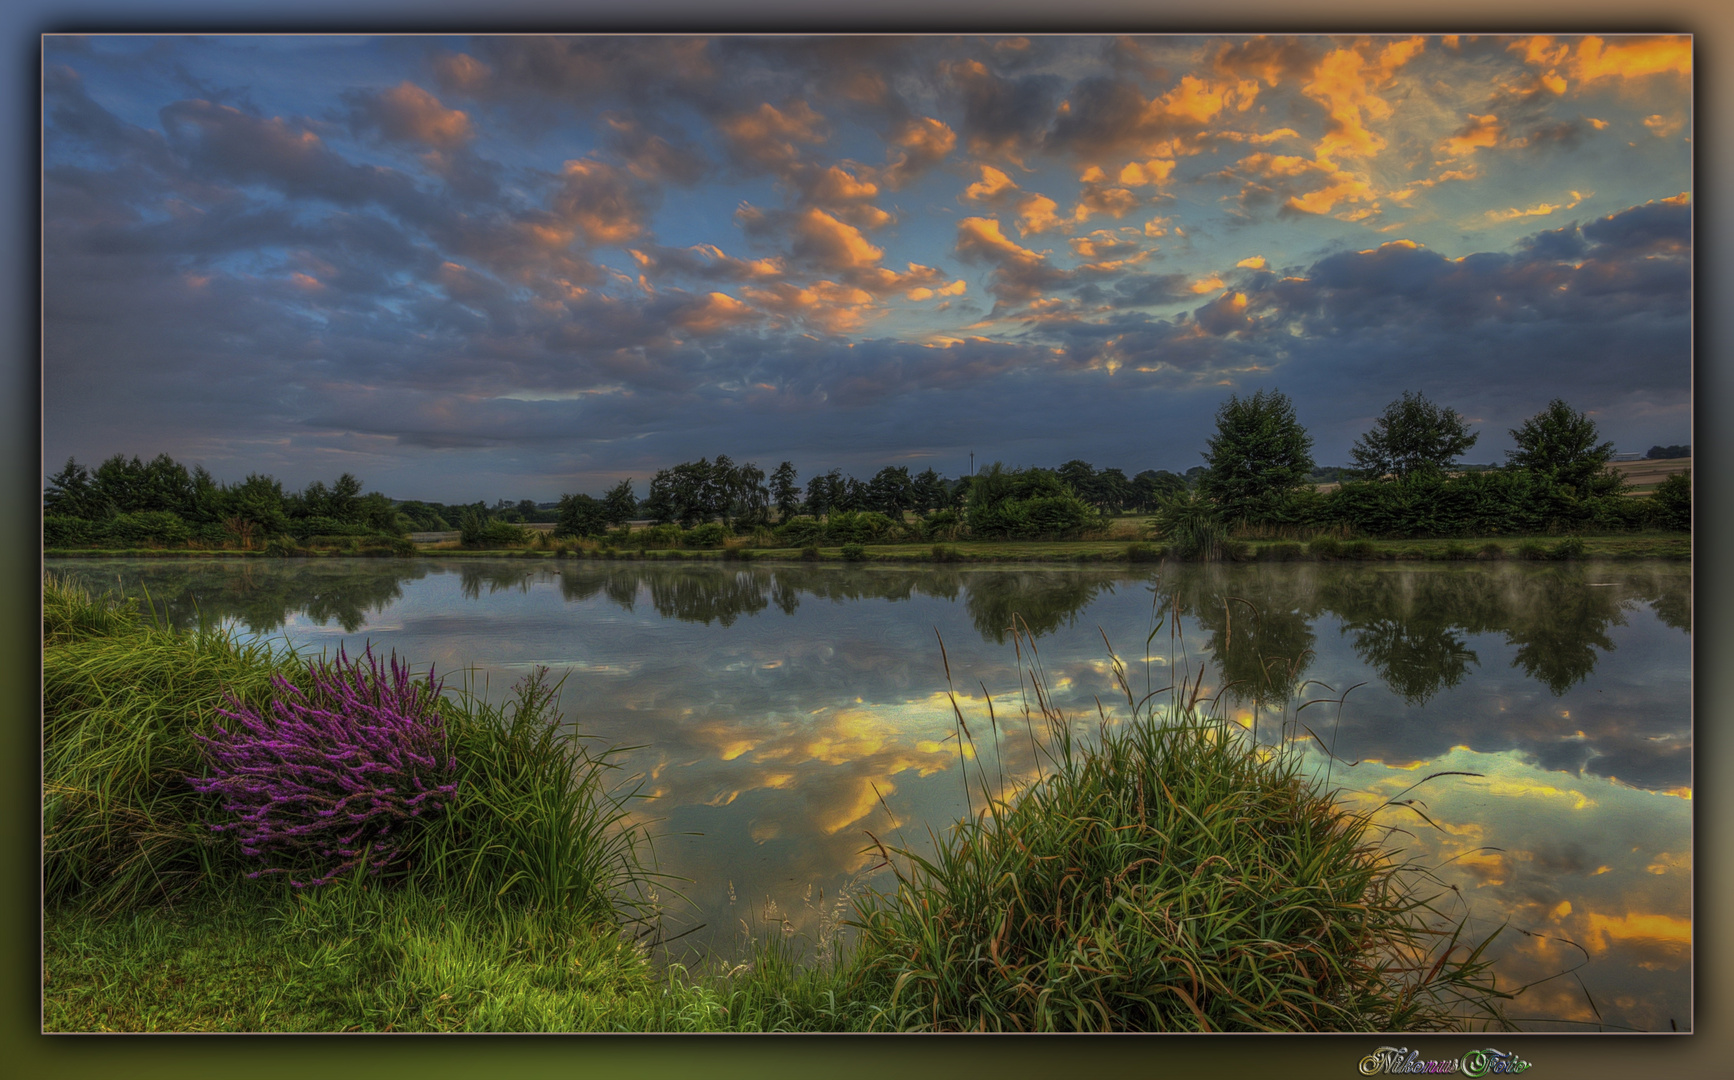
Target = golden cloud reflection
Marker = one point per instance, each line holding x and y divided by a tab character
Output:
1610	897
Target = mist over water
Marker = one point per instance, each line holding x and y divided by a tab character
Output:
777	714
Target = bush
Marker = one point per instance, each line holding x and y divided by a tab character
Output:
801	531
1140	553
1282	552
326	779
942	525
857	527
1532	549
147	527
854	553
710	534
1325	547
1671	504
810	553
1569	548
64	532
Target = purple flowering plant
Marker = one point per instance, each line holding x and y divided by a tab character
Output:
331	777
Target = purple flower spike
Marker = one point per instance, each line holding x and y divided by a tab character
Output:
320	777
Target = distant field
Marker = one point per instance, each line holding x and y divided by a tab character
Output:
1645	475
1642	475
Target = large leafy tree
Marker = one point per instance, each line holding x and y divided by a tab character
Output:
1560	443
1258	456
1413	437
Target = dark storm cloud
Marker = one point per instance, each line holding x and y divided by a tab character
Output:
1003	116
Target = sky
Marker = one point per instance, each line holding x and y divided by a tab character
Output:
520	266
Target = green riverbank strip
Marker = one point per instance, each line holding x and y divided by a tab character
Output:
1615	546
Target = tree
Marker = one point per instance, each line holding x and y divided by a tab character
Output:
619	504
891	491
931	492
785	493
1413	436
1560	443
69	493
1259	455
581	515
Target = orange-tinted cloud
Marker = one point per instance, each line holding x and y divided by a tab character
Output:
1481	132
830	243
599	201
825	305
406	112
1347	84
767	136
993	186
461	72
715	313
922	143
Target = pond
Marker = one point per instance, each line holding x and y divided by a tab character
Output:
776	714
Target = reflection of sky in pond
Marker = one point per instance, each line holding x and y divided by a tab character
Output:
780	714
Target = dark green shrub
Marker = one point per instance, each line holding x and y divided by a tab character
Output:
941	553
1492	550
943	525
857	527
64	532
1569	548
1532	549
1282	552
800	531
710	534
854	553
1671	504
1360	549
810	553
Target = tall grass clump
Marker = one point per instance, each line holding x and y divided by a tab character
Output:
122	705
1189	523
527	814
1164	874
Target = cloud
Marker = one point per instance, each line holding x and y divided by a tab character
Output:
766	139
1019	274
1347	84
1002	117
407	113
600	203
922	142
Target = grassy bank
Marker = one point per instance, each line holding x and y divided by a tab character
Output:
1160	874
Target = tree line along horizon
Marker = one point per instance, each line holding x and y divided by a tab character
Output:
1259	479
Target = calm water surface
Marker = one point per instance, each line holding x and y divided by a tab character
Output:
779	712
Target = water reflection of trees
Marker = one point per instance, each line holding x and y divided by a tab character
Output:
1257	624
1411	625
259	594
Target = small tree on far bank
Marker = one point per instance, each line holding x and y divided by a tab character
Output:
1259	455
581	515
1560	443
1413	436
